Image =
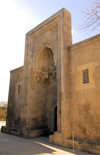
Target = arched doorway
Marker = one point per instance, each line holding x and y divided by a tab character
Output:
45	91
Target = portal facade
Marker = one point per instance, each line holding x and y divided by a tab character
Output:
57	91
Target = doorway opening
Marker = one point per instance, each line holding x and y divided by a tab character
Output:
55	119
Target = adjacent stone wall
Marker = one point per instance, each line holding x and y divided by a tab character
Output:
85	97
15	97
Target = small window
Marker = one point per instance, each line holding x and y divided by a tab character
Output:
19	89
85	76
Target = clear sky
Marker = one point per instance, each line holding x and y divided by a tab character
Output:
20	16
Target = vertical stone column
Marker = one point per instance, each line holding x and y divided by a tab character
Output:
26	85
63	92
65	81
65	41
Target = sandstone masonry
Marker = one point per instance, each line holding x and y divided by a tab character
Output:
57	91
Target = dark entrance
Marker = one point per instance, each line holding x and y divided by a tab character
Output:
55	119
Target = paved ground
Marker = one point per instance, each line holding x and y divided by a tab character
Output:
13	145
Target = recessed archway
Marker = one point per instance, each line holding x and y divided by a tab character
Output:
46	88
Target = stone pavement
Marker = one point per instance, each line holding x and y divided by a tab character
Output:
13	145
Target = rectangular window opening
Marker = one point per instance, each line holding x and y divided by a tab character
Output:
19	89
85	76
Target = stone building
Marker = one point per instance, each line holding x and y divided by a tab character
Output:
57	91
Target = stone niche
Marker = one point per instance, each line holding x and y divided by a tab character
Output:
44	90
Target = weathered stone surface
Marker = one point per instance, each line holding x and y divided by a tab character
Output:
57	90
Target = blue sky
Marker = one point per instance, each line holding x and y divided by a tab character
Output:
19	16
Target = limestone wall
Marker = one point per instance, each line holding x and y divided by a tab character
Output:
85	97
15	97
